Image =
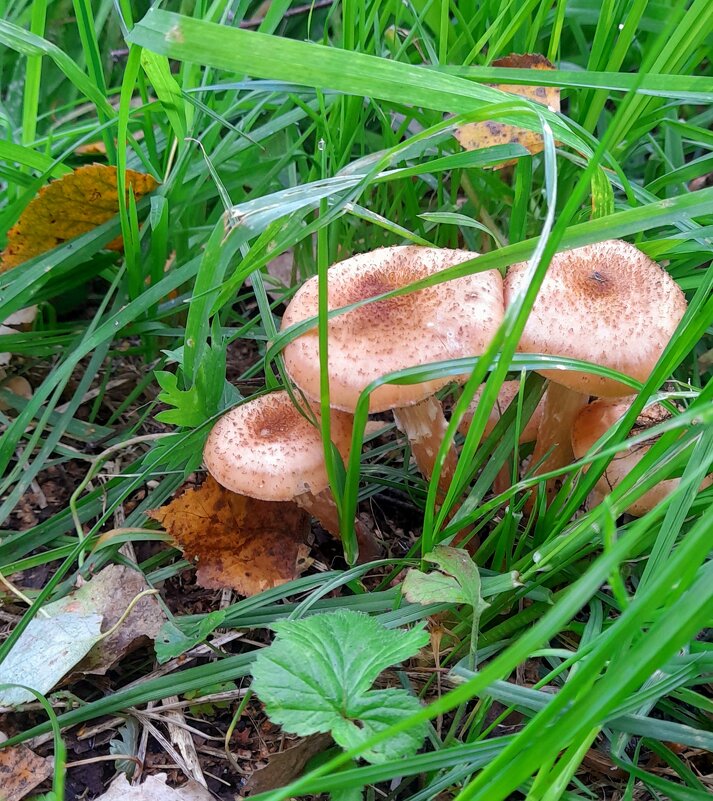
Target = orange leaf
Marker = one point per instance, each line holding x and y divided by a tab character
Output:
477	135
21	770
239	542
68	207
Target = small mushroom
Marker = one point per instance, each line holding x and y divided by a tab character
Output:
267	449
20	320
18	386
450	320
599	417
608	304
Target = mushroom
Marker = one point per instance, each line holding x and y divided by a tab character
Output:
18	386
608	304
20	320
593	422
267	449
509	391
450	320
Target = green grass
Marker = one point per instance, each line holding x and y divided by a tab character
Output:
335	127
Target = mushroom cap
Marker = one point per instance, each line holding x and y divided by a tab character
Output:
608	304
594	421
18	385
451	320
508	392
268	450
22	318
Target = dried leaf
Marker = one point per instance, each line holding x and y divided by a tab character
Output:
46	651
154	789
285	766
110	593
21	770
477	135
66	635
239	542
68	207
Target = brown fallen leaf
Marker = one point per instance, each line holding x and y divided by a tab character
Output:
239	542
477	135
154	789
110	593
68	207
21	770
285	766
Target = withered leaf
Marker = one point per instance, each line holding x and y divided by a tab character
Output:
68	207
477	135
154	789
21	770
110	593
239	542
285	766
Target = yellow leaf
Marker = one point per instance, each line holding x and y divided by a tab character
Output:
239	542
68	207
477	135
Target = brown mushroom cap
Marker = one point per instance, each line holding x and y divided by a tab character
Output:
508	392
268	450
608	304
451	320
594	421
18	385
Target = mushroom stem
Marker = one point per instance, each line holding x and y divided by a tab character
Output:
425	426
560	408
323	507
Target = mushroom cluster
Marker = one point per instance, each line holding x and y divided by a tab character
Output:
450	320
607	304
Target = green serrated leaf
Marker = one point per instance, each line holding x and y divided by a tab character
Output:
462	585
376	711
317	675
210	394
188	407
126	744
172	642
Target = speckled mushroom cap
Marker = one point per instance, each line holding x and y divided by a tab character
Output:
451	320
268	450
608	304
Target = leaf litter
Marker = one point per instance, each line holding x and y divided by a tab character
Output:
68	207
154	789
477	135
21	770
243	543
68	636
